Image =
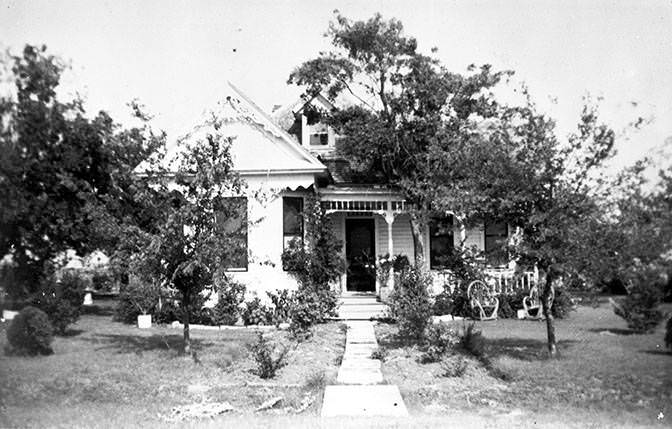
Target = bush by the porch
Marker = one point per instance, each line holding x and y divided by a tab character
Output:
410	303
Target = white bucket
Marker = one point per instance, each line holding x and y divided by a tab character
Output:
144	321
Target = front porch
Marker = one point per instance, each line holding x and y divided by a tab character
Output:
375	222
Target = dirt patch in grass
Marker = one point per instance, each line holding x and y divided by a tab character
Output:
108	364
597	374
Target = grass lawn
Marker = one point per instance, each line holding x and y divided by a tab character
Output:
110	374
605	376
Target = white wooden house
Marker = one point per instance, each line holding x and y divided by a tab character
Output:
285	159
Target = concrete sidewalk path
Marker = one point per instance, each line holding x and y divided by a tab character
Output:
361	392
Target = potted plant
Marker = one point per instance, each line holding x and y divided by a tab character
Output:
144	296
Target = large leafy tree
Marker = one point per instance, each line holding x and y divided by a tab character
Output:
554	193
404	100
63	175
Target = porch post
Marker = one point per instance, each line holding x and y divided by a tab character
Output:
389	218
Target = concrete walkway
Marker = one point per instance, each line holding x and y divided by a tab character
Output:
360	391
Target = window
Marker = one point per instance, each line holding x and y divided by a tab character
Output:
231	216
319	135
440	241
292	219
319	139
496	233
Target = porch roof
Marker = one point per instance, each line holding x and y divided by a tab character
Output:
362	199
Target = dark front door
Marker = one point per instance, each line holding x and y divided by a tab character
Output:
360	251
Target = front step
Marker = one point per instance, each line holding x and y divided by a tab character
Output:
355	309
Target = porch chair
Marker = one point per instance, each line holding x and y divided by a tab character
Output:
483	297
532	304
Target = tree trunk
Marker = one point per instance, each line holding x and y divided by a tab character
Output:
417	232
185	322
547	305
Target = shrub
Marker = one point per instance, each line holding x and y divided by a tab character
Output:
230	296
256	313
668	333
562	304
410	303
268	359
306	311
443	303
315	263
380	353
509	304
472	341
102	281
167	311
454	366
439	340
30	333
282	300
138	297
202	316
639	308
61	301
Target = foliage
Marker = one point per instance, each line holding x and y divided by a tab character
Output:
102	281
640	307
61	300
563	304
256	313
307	310
65	175
282	300
136	298
410	303
439	340
509	304
380	353
454	366
472	341
194	230
315	264
231	295
453	302
398	263
30	333
268	359
406	101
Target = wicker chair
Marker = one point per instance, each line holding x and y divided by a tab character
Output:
483	300
532	304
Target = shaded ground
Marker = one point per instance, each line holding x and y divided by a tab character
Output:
105	371
604	375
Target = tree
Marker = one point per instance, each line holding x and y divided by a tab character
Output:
404	98
62	174
195	229
518	171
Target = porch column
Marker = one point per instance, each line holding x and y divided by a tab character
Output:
389	218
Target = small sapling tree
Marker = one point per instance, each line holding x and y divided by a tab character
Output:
197	230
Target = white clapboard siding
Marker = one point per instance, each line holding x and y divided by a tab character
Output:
402	238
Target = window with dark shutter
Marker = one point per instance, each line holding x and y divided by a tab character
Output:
231	217
496	233
292	219
441	241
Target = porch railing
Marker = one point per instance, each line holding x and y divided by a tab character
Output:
504	281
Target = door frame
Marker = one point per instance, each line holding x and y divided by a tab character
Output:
372	221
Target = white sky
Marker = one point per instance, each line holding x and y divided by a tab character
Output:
175	56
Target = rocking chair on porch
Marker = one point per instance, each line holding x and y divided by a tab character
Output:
532	304
482	297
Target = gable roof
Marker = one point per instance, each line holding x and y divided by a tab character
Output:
259	144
